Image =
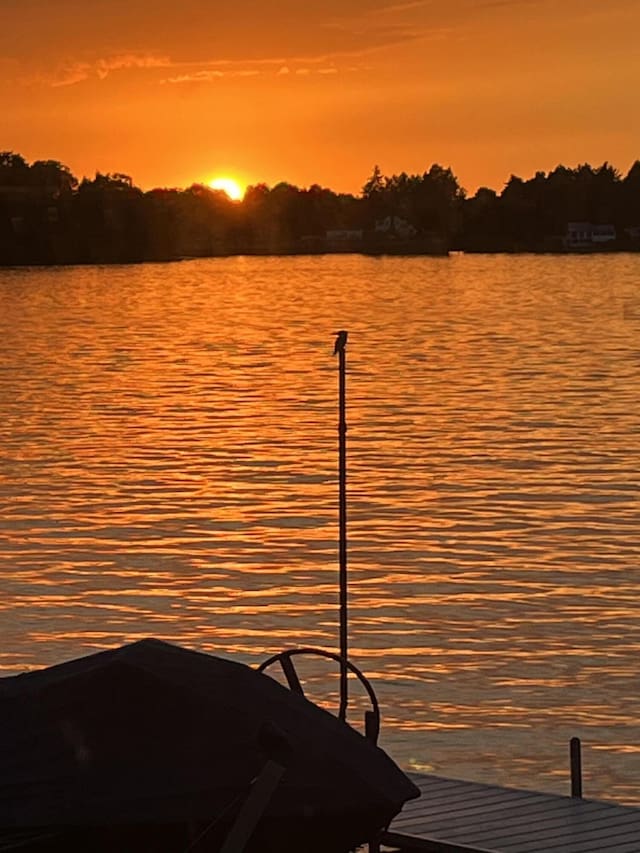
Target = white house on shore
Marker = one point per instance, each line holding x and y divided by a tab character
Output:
394	226
585	235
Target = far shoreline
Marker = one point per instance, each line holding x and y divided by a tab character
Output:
302	254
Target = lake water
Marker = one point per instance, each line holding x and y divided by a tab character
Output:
168	468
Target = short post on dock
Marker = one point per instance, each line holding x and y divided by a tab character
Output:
576	767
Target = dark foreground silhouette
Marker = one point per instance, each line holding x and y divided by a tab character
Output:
154	747
48	217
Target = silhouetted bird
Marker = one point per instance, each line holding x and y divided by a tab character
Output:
341	340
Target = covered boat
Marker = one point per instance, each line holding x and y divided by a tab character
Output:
153	747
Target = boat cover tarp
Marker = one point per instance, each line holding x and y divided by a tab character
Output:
155	733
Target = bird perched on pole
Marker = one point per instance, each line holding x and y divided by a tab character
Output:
341	340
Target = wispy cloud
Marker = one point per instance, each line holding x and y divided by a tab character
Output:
322	40
393	8
210	75
117	63
70	73
279	68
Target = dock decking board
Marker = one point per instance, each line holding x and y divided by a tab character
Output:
555	815
457	816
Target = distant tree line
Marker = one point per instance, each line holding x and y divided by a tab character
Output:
533	215
47	216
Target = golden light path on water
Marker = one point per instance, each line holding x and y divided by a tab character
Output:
168	468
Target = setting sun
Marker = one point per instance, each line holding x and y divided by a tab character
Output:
229	186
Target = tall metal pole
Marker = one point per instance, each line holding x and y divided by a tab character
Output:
339	348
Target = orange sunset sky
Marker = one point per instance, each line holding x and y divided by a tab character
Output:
317	92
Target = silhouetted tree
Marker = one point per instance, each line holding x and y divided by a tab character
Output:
431	203
481	227
438	199
110	219
53	176
14	169
376	196
376	183
630	197
47	217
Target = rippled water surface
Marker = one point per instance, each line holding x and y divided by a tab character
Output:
168	468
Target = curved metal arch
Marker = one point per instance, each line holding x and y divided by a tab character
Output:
372	718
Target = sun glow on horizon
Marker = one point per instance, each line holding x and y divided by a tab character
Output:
229	186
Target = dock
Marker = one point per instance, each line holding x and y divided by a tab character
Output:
453	816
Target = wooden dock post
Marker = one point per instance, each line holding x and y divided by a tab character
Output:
576	767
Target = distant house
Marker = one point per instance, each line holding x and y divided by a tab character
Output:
603	233
345	234
344	240
395	226
586	235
